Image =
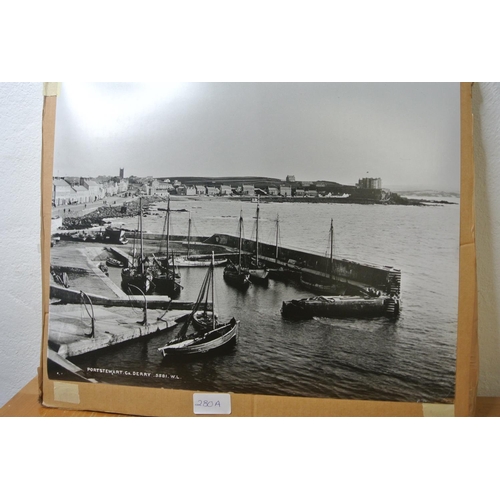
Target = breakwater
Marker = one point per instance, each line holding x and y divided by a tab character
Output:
359	275
384	278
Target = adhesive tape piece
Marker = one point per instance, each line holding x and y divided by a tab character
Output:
438	410
66	393
51	88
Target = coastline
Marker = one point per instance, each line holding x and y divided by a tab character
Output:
131	208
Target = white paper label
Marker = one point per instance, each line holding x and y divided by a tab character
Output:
213	404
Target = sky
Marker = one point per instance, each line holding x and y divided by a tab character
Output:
408	134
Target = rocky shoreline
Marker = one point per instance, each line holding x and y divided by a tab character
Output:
98	216
131	208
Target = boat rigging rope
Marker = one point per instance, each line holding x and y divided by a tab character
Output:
90	313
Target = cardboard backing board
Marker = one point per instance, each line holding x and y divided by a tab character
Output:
136	400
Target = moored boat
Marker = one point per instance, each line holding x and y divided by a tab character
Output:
138	275
235	274
166	277
322	285
326	287
114	262
193	262
258	272
282	271
204	338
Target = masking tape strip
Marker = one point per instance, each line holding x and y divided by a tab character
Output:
51	88
438	410
66	393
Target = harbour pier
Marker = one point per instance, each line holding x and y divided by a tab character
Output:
118	317
89	311
360	276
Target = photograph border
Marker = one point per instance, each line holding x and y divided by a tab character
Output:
131	400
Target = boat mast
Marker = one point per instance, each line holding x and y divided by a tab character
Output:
277	236
239	247
331	247
257	237
213	293
189	234
168	230
140	232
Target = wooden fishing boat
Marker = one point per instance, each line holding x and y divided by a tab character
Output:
193	262
236	275
258	272
325	285
205	338
113	262
165	276
287	271
211	340
189	260
138	275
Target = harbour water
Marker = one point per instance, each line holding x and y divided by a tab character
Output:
411	358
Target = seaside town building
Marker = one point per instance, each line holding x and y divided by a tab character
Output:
62	192
68	190
226	190
160	188
212	191
311	193
369	183
285	190
248	190
94	189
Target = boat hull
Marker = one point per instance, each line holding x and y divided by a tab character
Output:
144	282
166	285
284	275
181	262
237	279
114	262
259	275
223	337
323	288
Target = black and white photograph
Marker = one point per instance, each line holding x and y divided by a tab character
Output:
288	239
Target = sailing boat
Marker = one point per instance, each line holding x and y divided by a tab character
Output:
323	286
207	337
234	274
258	272
138	275
166	279
282	272
190	261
